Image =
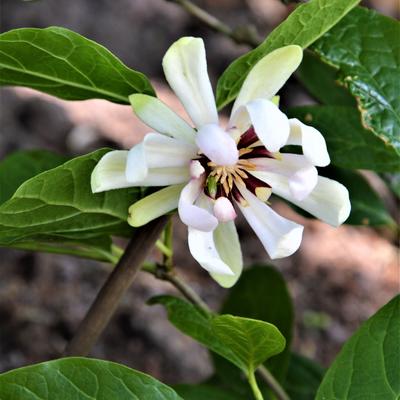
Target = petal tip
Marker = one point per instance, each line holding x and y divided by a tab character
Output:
289	243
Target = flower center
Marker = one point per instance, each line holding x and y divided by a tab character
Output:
224	180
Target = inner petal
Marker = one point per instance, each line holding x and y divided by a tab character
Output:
217	145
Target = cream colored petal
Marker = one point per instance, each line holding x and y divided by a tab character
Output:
269	75
185	68
157	115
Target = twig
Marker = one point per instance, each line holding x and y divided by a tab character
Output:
273	384
241	35
114	288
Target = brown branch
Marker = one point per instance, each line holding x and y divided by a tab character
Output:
241	35
114	288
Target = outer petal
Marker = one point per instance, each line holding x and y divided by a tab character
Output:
196	215
269	75
280	237
109	172
313	143
154	205
295	170
185	68
156	114
228	246
159	156
329	201
270	124
203	250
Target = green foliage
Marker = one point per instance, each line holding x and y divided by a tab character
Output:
365	49
303	378
303	27
204	391
245	342
368	365
58	205
350	145
261	293
64	64
81	379
22	165
367	208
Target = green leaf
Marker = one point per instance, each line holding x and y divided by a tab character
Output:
368	365
22	165
303	27
261	293
367	208
365	49
320	79
393	181
243	341
303	378
349	144
58	205
81	379
64	64
205	391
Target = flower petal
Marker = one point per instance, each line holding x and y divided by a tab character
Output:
279	236
223	210
269	75
270	124
295	170
154	205
203	250
217	145
159	156
227	244
109	173
196	215
313	143
156	114
185	68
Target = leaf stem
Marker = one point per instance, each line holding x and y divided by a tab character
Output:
273	384
114	288
254	387
241	35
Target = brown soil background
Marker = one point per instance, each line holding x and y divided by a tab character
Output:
337	279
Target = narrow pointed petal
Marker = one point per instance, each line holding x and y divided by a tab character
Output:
312	141
227	244
269	75
270	124
223	210
203	250
158	116
159	155
279	236
295	170
194	215
153	206
217	145
185	67
109	172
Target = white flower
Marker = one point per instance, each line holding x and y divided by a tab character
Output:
208	170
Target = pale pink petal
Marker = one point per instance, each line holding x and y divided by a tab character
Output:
223	210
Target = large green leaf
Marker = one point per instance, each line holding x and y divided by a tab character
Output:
303	27
368	366
367	208
58	205
349	144
303	378
261	293
245	342
64	64
365	49
205	391
81	379
22	165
